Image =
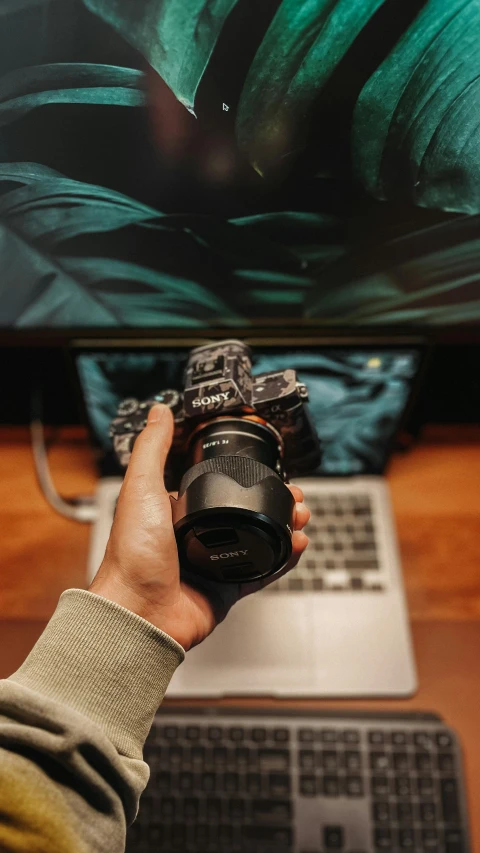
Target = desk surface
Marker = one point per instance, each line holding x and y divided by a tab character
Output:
436	496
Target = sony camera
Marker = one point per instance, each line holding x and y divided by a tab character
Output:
237	440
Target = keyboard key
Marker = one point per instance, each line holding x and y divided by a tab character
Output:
272	811
354	786
376	738
254	783
406	839
403	786
428	812
242	757
202	835
356	583
329	759
230	783
422	739
306	735
308	786
328	736
236	809
225	835
219	755
423	761
191	808
381	812
279	837
185	782
454	841
213	808
170	732
215	733
306	759
400	761
444	740
404	812
178	836
279	784
351	736
281	735
197	754
331	786
353	759
379	761
361	564
208	782
380	786
259	735
333	837
450	805
446	762
167	807
237	734
430	839
274	759
192	732
424	786
155	833
163	782
399	738
383	839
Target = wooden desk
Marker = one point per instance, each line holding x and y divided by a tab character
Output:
436	496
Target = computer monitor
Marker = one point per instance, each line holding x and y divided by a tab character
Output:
190	164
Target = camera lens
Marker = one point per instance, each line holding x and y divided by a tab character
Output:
233	517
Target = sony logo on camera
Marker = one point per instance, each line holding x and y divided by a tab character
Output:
214	398
230	554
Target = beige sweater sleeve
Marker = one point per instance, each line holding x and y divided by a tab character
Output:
73	722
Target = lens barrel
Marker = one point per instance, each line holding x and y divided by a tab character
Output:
234	515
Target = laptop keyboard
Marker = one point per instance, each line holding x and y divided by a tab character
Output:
343	554
261	785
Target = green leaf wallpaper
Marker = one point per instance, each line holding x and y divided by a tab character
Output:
176	38
183	163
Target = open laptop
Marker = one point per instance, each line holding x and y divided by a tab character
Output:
337	625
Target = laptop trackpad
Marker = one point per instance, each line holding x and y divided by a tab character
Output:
263	647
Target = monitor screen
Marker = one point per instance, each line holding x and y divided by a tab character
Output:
190	163
357	396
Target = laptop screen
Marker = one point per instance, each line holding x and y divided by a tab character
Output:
358	395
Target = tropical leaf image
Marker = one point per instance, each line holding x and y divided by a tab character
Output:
351	239
80	83
429	277
416	129
42	285
176	38
300	51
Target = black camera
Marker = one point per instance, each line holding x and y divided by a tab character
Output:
237	439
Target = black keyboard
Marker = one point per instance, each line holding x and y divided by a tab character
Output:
237	782
343	554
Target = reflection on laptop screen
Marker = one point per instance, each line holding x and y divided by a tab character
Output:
357	396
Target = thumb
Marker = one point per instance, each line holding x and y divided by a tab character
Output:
151	448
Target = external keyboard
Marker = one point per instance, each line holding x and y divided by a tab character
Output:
264	783
343	552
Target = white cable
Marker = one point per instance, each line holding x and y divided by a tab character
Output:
82	509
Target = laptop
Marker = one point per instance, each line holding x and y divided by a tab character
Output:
337	625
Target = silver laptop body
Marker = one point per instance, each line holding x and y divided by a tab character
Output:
336	626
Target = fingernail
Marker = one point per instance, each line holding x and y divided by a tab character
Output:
155	414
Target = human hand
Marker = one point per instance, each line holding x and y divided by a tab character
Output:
140	569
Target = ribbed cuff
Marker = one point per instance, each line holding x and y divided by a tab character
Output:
106	663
